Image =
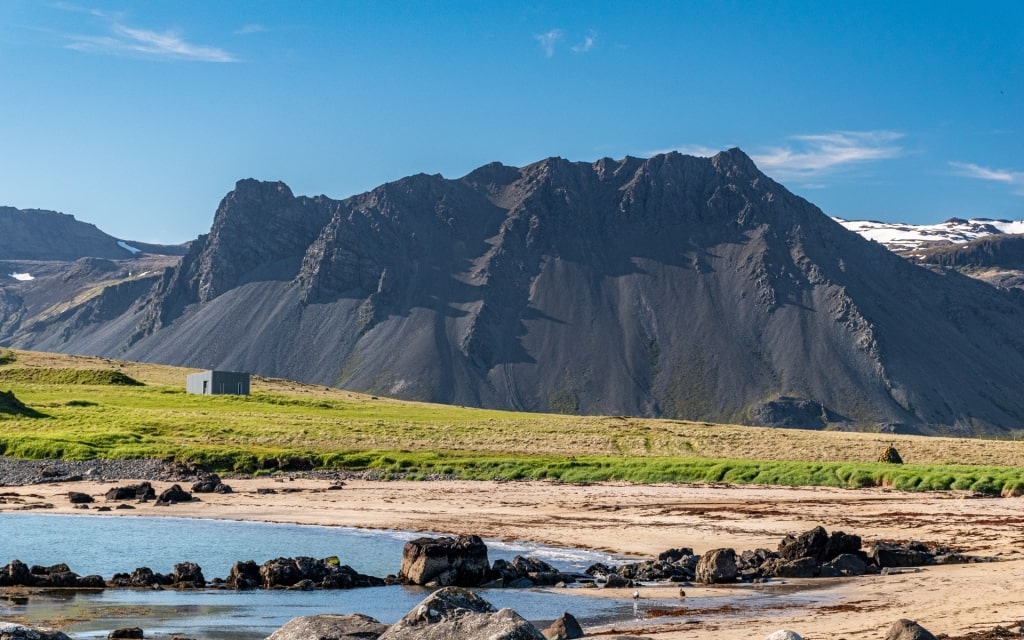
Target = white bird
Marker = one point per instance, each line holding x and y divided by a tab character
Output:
636	595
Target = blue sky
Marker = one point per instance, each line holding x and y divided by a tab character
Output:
140	116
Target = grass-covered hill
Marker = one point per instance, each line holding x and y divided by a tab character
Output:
85	408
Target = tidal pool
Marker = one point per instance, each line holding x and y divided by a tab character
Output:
105	545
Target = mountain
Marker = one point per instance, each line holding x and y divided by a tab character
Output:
674	286
908	239
40	235
989	250
57	271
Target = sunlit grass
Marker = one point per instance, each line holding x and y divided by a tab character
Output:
286	425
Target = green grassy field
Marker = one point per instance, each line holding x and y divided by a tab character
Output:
89	408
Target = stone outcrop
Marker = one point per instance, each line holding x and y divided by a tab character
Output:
565	627
810	554
188	575
325	573
18	574
141	491
717	566
330	627
210	483
445	561
524	572
174	495
457	613
244	576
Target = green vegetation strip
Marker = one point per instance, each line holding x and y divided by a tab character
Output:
83	416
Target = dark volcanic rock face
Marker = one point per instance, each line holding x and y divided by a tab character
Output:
671	286
996	259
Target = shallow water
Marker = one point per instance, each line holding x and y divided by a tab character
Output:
105	545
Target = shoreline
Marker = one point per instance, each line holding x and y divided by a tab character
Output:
644	520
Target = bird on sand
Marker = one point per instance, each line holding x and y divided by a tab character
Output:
636	595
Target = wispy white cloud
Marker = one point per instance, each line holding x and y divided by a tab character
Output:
586	44
250	29
121	39
1006	176
549	40
820	154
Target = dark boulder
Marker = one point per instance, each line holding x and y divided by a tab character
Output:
848	564
58	576
279	572
840	543
675	555
142	491
93	581
566	627
210	483
16	574
908	630
77	497
446	561
132	633
330	627
174	494
326	573
799	568
810	544
717	566
907	555
244	576
615	581
457	613
142	577
188	575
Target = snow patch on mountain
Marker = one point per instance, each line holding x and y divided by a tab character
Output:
127	247
907	238
22	276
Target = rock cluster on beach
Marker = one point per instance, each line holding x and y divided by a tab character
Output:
812	554
462	561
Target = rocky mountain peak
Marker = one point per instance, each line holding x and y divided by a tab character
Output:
673	286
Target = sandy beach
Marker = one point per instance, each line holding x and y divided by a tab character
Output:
644	520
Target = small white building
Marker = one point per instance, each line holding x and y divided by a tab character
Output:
211	382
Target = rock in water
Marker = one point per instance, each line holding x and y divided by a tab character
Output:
460	561
457	613
330	627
